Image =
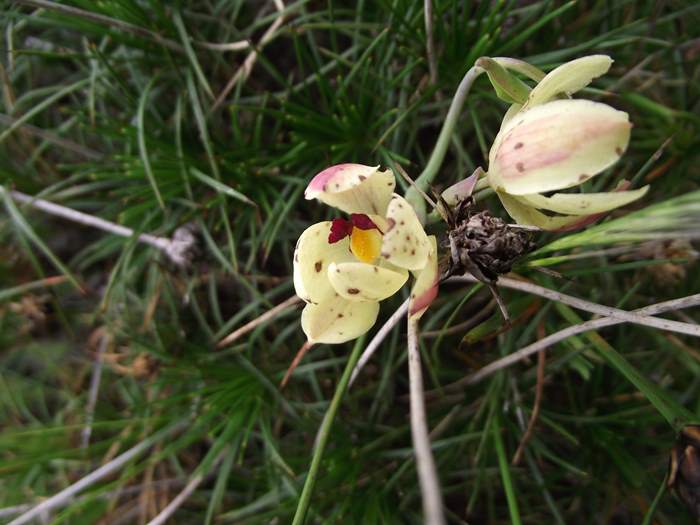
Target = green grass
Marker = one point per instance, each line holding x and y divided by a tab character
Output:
115	115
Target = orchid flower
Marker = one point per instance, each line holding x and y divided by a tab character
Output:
550	143
345	267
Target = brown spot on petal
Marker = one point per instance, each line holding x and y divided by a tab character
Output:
520	167
362	177
518	145
337	185
400	205
296	256
402	223
408	237
413	252
340	316
583	177
353	291
389	183
386	255
376	270
618	150
318	266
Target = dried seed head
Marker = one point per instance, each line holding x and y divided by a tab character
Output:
488	243
684	468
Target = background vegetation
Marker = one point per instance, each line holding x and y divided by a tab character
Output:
134	111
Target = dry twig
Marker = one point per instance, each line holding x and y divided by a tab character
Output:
509	360
178	249
636	317
271	313
244	71
67	494
378	339
427	473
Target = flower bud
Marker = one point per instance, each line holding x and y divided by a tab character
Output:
557	145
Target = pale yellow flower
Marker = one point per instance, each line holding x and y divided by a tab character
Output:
343	268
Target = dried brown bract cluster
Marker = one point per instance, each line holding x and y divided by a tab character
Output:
684	468
484	245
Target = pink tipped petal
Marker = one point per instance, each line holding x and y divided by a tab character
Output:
357	281
425	289
568	78
405	243
312	256
340	177
583	203
353	188
557	145
463	189
336	320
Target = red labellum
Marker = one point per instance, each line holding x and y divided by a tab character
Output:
341	228
362	222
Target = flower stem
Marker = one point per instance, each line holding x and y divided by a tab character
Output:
427	472
438	155
324	433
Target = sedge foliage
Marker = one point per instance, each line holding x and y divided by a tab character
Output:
114	108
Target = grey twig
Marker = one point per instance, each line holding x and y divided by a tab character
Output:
273	312
186	492
430	43
94	389
427	473
596	324
378	339
637	317
244	71
69	492
178	249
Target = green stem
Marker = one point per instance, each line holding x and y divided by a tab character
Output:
438	154
324	433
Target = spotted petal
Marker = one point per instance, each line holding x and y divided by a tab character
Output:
353	188
405	243
583	203
312	257
569	78
425	289
557	145
336	320
357	281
